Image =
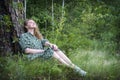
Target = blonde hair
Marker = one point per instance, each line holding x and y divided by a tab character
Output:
36	30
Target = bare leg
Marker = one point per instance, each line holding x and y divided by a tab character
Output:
55	55
65	58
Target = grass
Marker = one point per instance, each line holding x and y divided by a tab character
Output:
99	65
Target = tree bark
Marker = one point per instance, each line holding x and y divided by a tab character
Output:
12	15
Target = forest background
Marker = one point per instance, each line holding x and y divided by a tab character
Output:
87	31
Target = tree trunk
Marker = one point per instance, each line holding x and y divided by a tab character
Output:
12	15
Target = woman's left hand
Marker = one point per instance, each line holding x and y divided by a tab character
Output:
54	47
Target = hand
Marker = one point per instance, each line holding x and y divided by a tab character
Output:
54	47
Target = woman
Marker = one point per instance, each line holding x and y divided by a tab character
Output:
33	44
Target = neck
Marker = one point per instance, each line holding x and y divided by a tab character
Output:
31	31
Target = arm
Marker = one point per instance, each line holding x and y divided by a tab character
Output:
33	51
53	46
48	44
45	42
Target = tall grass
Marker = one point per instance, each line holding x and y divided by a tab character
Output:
99	64
20	68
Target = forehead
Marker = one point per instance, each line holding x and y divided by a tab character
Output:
31	21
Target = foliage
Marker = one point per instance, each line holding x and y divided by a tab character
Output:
20	68
100	66
84	23
5	20
85	29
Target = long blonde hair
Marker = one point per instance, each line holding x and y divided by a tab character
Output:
36	30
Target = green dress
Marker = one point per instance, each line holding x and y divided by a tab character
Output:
27	40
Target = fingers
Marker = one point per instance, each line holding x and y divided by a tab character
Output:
54	47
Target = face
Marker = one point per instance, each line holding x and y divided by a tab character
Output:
31	24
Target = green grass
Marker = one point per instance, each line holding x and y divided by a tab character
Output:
99	65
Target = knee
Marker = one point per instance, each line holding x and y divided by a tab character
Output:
58	51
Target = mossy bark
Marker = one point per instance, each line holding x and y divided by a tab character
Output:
12	15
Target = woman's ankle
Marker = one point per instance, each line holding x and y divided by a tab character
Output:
72	66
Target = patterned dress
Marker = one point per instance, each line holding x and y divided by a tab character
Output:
27	40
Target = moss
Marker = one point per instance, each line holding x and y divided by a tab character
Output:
17	5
